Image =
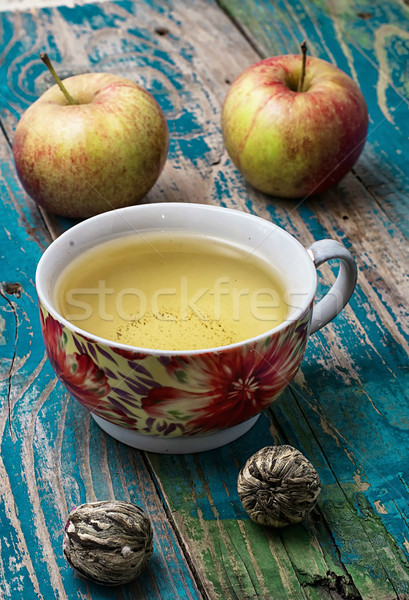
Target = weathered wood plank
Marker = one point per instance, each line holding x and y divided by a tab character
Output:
347	410
9	5
358	393
53	457
252	561
369	43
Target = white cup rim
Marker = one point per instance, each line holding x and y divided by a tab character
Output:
159	207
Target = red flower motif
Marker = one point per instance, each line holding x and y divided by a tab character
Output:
129	354
53	339
84	380
81	376
233	385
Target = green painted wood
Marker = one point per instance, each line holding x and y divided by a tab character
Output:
347	409
353	387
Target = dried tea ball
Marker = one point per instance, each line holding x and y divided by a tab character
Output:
278	486
108	542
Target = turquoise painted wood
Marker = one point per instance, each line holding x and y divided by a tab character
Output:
52	457
348	408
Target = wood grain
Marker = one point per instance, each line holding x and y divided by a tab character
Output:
9	5
347	410
52	456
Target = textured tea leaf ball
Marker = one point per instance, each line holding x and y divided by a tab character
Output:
278	486
108	542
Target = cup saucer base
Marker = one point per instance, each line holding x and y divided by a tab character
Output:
175	445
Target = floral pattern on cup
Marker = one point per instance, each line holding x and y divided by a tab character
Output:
81	376
191	394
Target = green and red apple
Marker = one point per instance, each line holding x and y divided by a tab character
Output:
289	140
100	147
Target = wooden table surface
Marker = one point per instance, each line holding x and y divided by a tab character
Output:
348	408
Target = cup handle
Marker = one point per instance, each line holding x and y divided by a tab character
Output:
337	297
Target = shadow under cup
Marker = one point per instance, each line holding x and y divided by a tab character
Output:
178	401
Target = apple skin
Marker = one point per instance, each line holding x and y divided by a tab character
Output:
288	143
103	153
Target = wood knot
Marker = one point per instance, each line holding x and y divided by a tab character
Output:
13	289
162	30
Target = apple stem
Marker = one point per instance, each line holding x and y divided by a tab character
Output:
304	60
47	62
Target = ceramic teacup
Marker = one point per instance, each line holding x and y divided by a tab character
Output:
188	401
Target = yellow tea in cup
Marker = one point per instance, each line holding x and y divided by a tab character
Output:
171	291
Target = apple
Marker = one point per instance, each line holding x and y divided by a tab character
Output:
294	125
93	143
